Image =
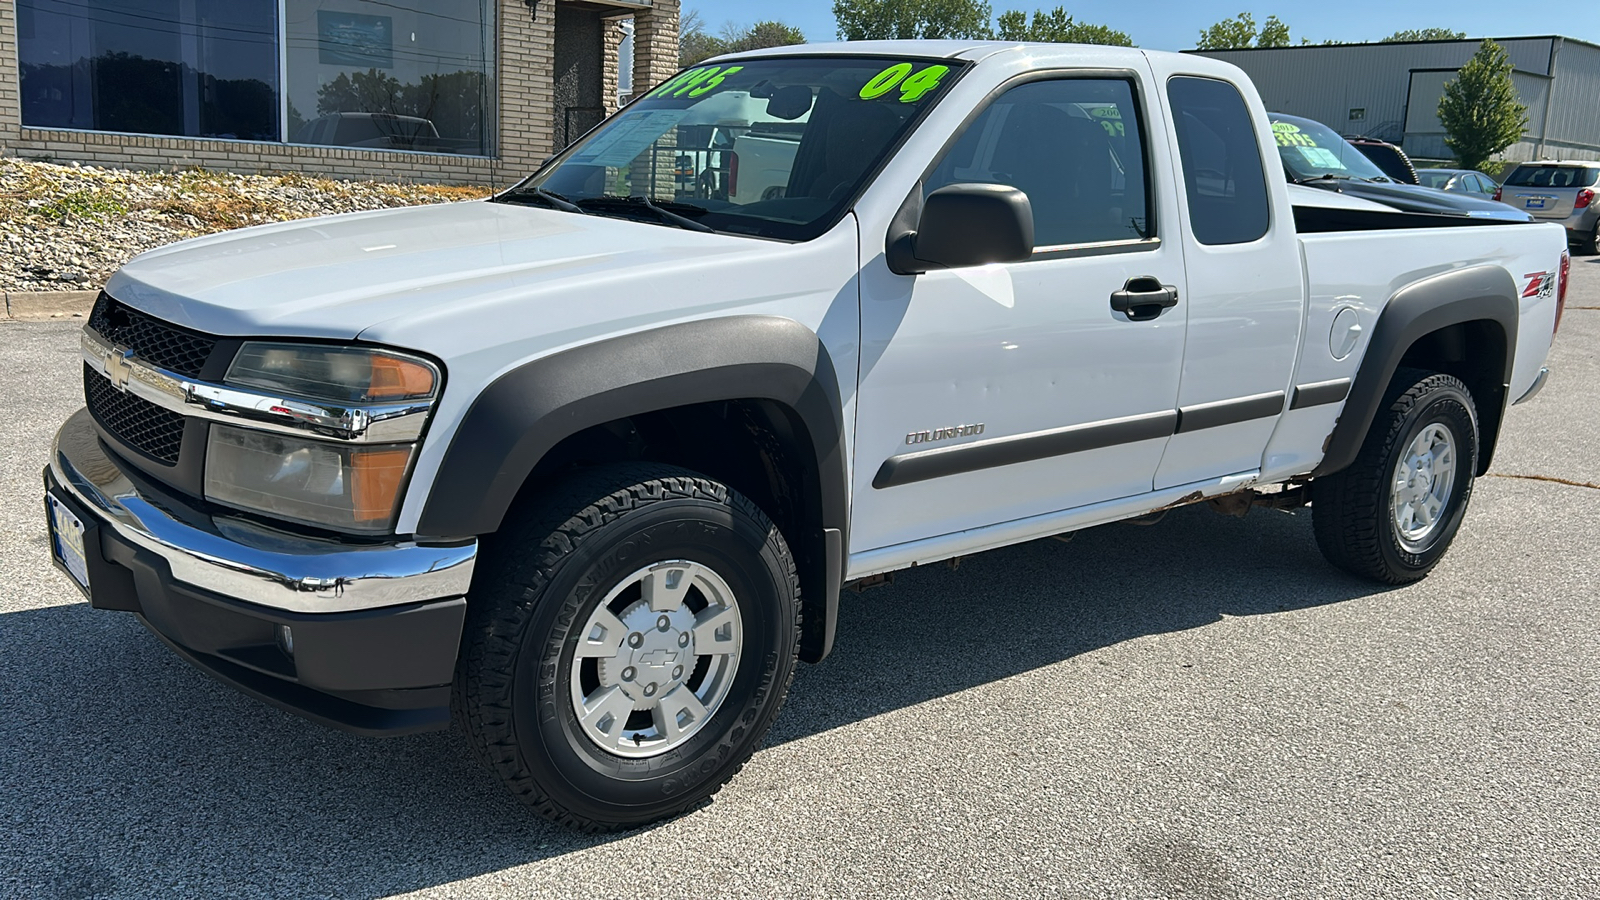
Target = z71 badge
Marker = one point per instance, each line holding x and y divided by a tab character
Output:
943	434
1540	284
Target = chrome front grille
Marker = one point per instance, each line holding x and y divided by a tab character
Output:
133	420
168	346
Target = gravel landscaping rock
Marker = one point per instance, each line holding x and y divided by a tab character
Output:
68	227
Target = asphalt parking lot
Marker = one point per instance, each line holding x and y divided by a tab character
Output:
1199	708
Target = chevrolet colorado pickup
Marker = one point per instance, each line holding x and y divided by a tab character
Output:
585	466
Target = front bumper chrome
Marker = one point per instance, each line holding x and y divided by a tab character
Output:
245	560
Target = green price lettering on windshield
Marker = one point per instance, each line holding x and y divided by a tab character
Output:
695	82
1289	135
912	88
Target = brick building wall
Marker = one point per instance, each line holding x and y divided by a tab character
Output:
522	88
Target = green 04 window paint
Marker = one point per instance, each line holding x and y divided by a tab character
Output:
912	87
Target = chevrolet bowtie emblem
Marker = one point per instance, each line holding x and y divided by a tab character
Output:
658	658
117	368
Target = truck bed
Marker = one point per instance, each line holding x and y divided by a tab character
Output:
1361	270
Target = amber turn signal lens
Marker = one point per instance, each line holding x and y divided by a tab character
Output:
394	378
375	477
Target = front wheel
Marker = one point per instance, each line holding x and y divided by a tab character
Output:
629	642
1392	514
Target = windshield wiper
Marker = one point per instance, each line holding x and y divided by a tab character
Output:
549	197
665	216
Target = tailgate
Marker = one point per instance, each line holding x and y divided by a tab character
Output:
1542	202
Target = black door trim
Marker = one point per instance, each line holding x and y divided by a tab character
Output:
1320	392
1229	412
1004	451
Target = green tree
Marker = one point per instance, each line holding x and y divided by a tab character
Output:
1480	110
759	35
1424	34
1273	33
867	20
1240	31
1057	27
694	42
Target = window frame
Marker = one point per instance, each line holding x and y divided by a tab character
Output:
1045	252
1261	154
490	101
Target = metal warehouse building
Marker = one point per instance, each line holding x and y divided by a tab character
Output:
1391	91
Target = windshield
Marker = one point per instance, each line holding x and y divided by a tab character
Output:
1552	176
775	147
1434	178
1313	150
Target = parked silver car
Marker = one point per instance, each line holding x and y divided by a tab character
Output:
1561	191
1460	181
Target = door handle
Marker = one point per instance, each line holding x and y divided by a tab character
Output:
1144	298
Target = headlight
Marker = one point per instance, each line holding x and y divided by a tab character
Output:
339	374
319	456
350	487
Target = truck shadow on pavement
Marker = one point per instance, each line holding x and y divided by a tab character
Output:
129	774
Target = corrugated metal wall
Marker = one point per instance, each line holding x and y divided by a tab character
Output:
1329	83
1575	102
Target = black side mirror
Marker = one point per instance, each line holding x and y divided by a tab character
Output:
966	225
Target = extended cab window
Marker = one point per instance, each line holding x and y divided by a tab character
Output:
1222	171
1074	146
775	147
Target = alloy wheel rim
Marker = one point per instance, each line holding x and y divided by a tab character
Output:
656	659
1423	481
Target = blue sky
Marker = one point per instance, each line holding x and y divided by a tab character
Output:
1174	26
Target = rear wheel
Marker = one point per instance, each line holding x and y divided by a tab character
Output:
629	642
1589	245
1392	514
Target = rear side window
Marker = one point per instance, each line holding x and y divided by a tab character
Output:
1552	176
1222	171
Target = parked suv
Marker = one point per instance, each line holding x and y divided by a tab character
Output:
1386	156
1558	191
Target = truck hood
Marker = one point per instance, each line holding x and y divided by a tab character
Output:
339	276
1417	199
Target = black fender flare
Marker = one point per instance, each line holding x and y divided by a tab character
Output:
1479	293
527	411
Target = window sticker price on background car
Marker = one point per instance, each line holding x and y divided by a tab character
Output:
912	87
1289	135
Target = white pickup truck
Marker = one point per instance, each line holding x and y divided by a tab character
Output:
587	464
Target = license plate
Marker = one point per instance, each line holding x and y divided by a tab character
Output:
66	543
1536	203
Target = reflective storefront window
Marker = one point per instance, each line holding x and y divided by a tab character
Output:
199	68
397	75
374	74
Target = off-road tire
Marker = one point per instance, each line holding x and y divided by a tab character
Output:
538	581
1350	510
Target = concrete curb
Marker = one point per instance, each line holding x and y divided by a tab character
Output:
38	306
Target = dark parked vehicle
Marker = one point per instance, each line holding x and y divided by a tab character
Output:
1558	191
1391	159
1314	154
1458	181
